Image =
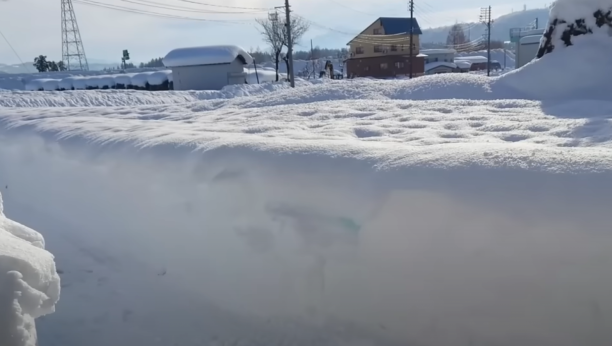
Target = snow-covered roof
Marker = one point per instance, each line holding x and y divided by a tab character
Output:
531	39
472	59
463	63
206	55
438	51
432	65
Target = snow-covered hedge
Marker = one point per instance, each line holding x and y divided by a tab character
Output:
157	80
572	18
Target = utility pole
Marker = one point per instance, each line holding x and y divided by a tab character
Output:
411	8
289	43
485	17
314	75
537	23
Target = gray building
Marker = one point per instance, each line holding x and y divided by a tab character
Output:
207	68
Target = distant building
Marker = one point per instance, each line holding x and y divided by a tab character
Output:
382	50
527	49
207	68
527	43
439	55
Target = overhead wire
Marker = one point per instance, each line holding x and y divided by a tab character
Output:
225	6
153	14
14	51
182	8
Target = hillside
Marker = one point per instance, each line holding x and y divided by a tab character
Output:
500	30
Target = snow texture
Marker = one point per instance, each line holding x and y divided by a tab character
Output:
29	284
207	55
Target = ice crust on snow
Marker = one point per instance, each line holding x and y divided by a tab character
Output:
207	55
29	284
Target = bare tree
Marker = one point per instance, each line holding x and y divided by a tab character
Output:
272	32
299	26
456	36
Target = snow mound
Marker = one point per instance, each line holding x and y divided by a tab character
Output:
29	284
207	55
573	59
141	79
160	77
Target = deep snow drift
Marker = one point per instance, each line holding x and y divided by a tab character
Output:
29	284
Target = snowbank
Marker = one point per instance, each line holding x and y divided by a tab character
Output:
207	55
140	80
577	32
344	212
29	284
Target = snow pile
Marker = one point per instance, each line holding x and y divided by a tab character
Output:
160	77
207	55
339	213
144	80
141	80
122	81
573	57
29	284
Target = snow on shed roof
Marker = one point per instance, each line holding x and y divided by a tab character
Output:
433	65
207	55
472	59
438	51
531	39
463	63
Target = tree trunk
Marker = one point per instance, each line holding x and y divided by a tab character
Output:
287	63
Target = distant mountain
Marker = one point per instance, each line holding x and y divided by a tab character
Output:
500	29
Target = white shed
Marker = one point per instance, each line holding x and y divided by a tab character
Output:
207	68
527	49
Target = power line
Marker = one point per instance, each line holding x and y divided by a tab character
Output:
182	8
153	14
14	51
224	6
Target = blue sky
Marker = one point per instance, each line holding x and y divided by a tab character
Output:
33	26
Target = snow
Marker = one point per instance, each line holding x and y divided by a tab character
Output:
261	213
472	59
29	284
432	65
531	39
463	64
80	83
451	209
125	79
207	55
160	77
438	51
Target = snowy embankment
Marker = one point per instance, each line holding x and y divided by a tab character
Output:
338	213
139	80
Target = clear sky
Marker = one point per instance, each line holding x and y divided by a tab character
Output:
33	27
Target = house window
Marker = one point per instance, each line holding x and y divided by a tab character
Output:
399	64
377	31
384	66
378	49
359	50
393	48
366	68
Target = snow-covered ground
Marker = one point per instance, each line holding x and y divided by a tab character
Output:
448	210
